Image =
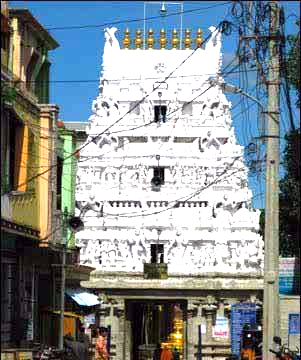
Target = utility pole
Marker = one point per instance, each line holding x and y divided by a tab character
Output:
75	223
62	307
63	280
271	232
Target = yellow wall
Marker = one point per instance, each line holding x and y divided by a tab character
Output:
69	326
47	182
32	203
44	180
25	200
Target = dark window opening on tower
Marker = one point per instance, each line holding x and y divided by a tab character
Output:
157	253
158	177
160	113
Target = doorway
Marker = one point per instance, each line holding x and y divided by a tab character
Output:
156	323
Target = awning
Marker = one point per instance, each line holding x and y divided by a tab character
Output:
83	297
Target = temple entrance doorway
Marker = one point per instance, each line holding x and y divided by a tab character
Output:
156	323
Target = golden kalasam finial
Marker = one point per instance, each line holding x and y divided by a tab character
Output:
138	40
187	40
175	40
199	38
163	40
150	39
126	39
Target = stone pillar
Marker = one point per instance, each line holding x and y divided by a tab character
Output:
127	339
112	314
209	313
192	330
119	315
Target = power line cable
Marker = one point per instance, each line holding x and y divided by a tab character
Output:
178	108
128	21
220	27
176	120
143	125
169	118
120	79
283	62
187	197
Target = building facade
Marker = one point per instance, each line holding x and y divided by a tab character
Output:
29	247
163	192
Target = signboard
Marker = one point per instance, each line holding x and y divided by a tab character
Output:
294	324
241	314
289	276
89	319
221	328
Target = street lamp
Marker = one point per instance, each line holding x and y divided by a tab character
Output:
163	12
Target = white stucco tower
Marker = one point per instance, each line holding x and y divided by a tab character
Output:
176	130
161	178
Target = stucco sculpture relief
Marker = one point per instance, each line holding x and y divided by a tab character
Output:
202	210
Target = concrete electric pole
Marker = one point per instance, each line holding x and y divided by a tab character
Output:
63	280
62	305
271	233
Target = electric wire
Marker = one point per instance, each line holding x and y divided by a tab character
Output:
181	107
143	125
218	179
128	21
119	79
220	26
169	118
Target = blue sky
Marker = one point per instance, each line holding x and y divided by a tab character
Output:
76	63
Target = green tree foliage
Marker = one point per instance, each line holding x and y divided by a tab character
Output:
289	197
293	62
8	93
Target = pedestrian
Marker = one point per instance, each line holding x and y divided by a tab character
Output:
176	354
166	354
101	344
84	339
157	352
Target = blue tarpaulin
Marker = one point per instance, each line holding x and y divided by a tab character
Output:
83	297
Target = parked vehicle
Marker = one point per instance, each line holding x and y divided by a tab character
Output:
251	344
50	353
284	353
